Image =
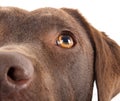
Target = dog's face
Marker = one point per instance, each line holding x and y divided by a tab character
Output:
55	55
53	48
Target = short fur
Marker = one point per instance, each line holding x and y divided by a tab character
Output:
60	74
107	59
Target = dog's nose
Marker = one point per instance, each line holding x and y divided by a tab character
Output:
16	71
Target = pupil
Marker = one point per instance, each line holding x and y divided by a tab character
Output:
66	39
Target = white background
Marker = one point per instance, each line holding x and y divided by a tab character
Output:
102	14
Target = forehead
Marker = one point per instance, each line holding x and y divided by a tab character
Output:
44	17
49	18
19	24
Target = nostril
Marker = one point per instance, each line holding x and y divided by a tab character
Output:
11	74
17	75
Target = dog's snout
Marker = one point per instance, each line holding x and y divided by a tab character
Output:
16	70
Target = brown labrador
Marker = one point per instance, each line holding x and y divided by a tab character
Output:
55	55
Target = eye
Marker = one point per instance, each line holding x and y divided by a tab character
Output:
65	40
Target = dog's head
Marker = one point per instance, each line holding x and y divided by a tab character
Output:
55	55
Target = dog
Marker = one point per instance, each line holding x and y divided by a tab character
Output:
54	54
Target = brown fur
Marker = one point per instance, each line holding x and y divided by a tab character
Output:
60	74
107	60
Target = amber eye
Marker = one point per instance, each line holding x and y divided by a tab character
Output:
65	40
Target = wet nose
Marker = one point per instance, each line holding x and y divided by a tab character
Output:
16	71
